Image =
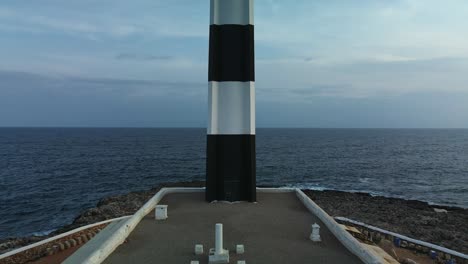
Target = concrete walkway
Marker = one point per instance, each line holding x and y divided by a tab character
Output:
274	230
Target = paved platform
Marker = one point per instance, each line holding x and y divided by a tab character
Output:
274	230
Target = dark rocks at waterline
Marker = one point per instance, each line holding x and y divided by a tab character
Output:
12	243
419	220
120	205
107	208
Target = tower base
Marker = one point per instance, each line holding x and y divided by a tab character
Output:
230	168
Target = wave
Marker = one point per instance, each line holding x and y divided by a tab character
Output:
316	187
42	233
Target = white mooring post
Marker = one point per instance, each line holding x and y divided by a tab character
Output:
218	254
315	236
219	239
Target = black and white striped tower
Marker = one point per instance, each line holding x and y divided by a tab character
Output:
230	169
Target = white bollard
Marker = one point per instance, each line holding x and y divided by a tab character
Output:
198	249
240	249
219	239
194	262
160	212
315	236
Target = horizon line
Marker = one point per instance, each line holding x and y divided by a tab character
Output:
266	127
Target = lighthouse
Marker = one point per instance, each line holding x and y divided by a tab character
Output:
230	163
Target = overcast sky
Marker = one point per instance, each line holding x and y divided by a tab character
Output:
330	63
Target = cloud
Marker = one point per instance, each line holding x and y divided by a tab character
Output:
88	26
97	20
325	91
142	57
60	85
307	51
28	99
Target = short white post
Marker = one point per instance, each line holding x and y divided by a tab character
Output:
240	249
219	239
198	249
315	236
160	212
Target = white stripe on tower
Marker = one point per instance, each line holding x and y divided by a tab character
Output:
232	108
231	96
232	12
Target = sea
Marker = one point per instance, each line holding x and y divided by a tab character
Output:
48	176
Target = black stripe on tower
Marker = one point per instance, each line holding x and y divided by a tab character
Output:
231	53
230	168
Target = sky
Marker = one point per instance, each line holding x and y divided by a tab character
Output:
321	63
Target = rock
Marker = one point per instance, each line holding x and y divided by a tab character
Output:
73	242
12	243
378	237
49	251
409	261
61	246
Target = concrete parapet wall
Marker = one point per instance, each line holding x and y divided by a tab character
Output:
351	243
60	242
119	236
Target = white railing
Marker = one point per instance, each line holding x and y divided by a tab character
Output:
405	238
45	241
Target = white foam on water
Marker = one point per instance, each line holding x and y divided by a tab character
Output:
43	233
316	187
363	180
307	186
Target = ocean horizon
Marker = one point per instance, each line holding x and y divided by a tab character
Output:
48	175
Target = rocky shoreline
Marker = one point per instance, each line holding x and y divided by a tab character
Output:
441	225
448	227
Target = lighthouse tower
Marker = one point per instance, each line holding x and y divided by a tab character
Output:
230	166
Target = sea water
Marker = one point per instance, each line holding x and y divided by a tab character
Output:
49	175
